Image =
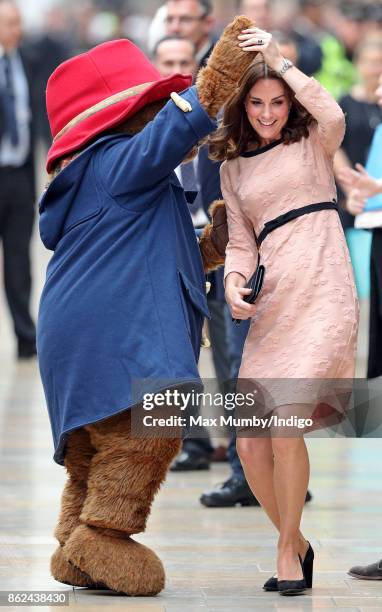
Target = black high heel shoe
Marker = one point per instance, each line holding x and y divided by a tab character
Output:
307	567
271	584
293	587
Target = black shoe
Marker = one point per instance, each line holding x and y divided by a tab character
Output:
293	587
231	492
271	584
26	350
308	497
307	568
189	460
367	572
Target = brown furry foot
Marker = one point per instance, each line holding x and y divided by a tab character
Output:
63	571
121	564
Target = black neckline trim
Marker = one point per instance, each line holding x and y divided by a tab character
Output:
261	149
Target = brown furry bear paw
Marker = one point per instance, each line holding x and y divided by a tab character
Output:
65	572
217	81
121	564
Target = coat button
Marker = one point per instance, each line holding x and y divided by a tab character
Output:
205	343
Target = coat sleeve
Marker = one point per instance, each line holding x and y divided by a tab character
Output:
241	252
139	162
328	114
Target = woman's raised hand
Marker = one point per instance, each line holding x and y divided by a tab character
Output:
254	39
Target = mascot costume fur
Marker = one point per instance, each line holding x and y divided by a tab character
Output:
124	297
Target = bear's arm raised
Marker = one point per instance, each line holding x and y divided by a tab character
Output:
218	80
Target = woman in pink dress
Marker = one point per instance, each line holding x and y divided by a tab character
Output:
278	137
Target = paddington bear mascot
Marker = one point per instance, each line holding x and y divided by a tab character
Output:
124	297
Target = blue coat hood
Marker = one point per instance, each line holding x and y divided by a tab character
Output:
58	204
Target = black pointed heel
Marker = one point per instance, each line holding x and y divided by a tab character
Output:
307	567
292	587
271	584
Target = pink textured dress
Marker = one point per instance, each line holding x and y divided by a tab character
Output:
306	321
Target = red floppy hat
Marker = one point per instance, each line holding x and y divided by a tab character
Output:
98	89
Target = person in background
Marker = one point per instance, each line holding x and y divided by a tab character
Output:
361	186
17	182
173	54
287	45
192	19
308	50
50	48
373	16
364	186
338	73
257	10
363	113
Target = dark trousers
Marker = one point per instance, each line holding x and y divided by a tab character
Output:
201	443
16	224
236	337
375	336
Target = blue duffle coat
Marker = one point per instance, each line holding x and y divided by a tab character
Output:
122	308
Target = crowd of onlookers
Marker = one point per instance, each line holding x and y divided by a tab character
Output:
339	42
323	36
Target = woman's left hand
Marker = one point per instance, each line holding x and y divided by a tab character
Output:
257	40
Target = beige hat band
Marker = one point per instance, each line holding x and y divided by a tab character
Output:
118	97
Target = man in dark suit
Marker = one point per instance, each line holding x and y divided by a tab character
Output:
192	19
17	185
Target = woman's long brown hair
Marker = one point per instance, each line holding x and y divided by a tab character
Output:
235	134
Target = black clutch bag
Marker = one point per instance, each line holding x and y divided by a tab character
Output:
255	284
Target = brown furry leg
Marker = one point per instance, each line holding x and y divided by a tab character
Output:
125	474
79	452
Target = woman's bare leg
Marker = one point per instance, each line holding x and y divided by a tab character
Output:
257	458
291	478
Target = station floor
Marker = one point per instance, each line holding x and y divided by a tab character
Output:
215	559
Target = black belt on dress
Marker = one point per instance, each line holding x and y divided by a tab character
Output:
256	281
269	226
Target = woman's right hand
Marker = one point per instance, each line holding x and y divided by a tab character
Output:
235	291
255	39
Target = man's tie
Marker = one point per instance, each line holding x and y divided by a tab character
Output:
190	183
9	102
